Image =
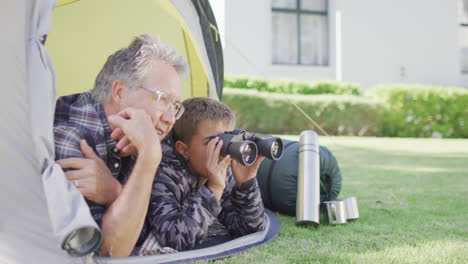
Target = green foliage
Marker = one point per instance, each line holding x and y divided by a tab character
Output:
292	87
275	113
423	111
389	110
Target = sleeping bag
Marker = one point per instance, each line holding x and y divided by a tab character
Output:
278	179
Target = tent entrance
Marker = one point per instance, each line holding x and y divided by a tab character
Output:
226	249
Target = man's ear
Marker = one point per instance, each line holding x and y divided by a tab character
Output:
182	148
119	92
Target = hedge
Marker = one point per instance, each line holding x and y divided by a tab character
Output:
292	87
423	111
274	113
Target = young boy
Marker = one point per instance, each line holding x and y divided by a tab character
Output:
197	198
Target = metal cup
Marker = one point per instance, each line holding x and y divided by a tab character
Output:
352	211
336	212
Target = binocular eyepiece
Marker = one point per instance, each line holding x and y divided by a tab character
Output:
246	146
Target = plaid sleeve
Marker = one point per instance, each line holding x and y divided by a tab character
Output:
176	222
67	145
67	142
243	210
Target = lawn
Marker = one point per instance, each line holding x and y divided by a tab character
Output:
413	204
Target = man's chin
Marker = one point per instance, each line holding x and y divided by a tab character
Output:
163	136
160	137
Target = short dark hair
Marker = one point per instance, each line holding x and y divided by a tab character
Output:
199	109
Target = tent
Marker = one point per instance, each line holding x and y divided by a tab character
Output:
43	217
95	29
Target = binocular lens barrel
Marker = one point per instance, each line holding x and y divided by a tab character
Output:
276	149
243	151
246	146
271	148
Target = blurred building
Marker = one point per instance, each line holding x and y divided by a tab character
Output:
363	41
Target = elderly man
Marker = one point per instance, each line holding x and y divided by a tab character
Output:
132	107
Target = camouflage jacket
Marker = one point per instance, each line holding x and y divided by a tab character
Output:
182	216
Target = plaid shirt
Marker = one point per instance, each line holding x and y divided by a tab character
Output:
78	117
183	216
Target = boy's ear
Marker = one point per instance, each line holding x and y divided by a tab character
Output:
182	148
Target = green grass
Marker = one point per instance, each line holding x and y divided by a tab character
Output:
413	204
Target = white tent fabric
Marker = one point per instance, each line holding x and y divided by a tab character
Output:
24	222
28	101
69	213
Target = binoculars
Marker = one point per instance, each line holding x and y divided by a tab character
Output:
246	146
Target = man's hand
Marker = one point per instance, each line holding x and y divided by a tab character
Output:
125	217
216	168
136	130
243	173
91	176
123	143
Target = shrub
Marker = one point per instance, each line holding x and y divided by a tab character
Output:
275	113
423	111
236	82
329	87
292	87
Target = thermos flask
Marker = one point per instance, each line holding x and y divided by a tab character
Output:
308	182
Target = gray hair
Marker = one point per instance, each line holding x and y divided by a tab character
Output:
131	65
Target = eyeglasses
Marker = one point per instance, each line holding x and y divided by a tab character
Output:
165	101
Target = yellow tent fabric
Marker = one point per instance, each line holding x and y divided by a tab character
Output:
86	32
65	2
196	69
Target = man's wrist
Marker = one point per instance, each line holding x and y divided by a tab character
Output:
150	155
116	193
146	166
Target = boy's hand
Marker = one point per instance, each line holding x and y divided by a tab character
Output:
243	173
215	168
